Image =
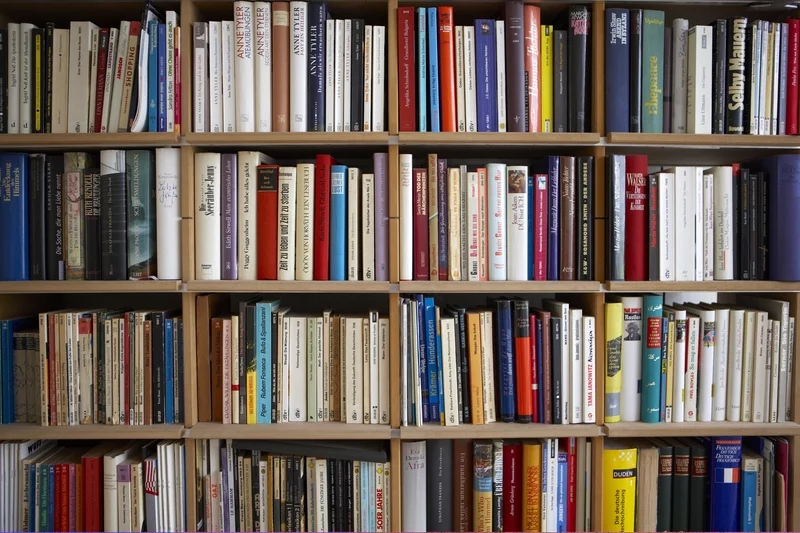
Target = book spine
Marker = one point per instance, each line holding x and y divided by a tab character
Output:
486	75
316	66
667	128
539	227
585	219
616	210
322	190
420	225
719	61
618	72
636	71
546	80
304	243
230	265
152	79
433	217
651	359
266	218
613	358
228	76
298	67
532	22
782	78
496	199
516	72
736	80
281	52
357	76
433	68
567	249
12	64
447	69
554	201
378	78
653	75
366	103
262	48
287	195
142	214
560	81
500	89
517	222
443	229
578	36
725	459
792	77
113	217
406	77
54	221
338	249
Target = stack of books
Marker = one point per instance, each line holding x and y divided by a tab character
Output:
314	221
711	484
93	367
700	362
545	361
293	486
90	79
77	216
508	74
530	485
287	66
497	222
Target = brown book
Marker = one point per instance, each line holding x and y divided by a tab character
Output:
546	380
646	484
216	368
280	66
147	333
566	226
336	398
462	485
208	305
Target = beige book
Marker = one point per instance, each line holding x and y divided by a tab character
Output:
304	237
353	382
487	367
60	66
365	369
454	224
474	330
335	402
646	485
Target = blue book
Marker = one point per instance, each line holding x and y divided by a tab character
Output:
652	321
784	216
338	229
317	14
14	249
505	361
422	69
554	182
724	492
617	38
561	495
161	91
264	357
433	68
422	354
7	330
433	363
365	499
50	473
749	481
169	372
486	74
539	348
439	363
179	384
545	462
152	76
531	200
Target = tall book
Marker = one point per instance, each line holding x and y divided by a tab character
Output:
168	215
617	67
141	191
207	216
619	475
281	53
515	60
613	361
244	65
736	76
486	75
113	217
725	460
653	75
298	66
447	68
578	38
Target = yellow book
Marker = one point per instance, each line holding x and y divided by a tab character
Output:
38	103
670	364
619	487
532	486
613	361
475	375
546	86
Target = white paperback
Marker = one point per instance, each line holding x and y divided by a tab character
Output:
368	227
723	223
215	76
698	80
368	77
406	217
470	91
347	78
109	81
577	390
472	226
207	216
666	226
708	226
589	369
383	344
693	333
60	81
14	70
168	212
496	205
460	109
95	53
26	74
304	235
699	233
719	396
244	66
760	377
330	73
338	116
298	67
353	223
500	34
247	188
378	77
287	194
680	41
228	77
517	222
200	77
263	67
464	253
685	197
735	355
748	355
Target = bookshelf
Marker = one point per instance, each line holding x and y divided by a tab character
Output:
33	296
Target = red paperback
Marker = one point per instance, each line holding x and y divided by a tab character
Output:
322	216
635	217
534	371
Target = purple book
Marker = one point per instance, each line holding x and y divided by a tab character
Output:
223	456
441	178
230	269
381	164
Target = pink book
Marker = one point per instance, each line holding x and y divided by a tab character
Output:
540	227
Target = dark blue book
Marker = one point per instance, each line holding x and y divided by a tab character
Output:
433	68
317	15
169	370
14	249
179	403
531	203
152	76
162	78
782	174
486	74
725	461
7	330
505	361
439	363
553	236
422	354
433	359
617	66
561	494
441	178
539	371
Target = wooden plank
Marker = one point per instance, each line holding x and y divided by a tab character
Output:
499	430
498	286
702	141
50	287
391	68
700	429
290	431
191	485
87	141
397	485
92	432
701	286
261	140
394	359
394	250
429	139
288	286
189	316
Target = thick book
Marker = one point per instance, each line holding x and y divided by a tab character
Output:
616	211
267	221
532	68
736	77
317	15
486	75
523	361
724	462
781	212
447	69
14	217
439	476
322	221
515	62
338	230
579	67
141	199
54	218
653	75
113	215
504	328
561	81
406	78
37	214
585	217
566	246
619	476
553	217
651	358
617	70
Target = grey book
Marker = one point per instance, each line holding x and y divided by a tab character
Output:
783	78
230	269
616	214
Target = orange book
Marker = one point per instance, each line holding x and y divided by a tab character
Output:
531	486
475	377
447	69
532	21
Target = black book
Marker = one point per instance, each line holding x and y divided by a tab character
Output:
48	82
579	68
719	56
585	252
636	71
288	508
652	229
39	75
255	471
667	124
54	217
615	210
333	510
341	500
763	226
560	81
3	81
664	505
438	485
348	488
737	193
698	486
680	484
755	221
274	363
244	329
114	221
299	493
374	452
357	77
91	222
736	76
464	364
743	224
555	349
37	214
159	353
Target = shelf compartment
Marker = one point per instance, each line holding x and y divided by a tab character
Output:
290	286
290	431
497	139
702	286
500	430
39	287
700	429
703	141
291	139
498	286
91	432
66	141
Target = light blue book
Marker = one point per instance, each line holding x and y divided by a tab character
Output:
365	497
433	67
439	364
561	493
338	238
750	518
263	363
152	76
531	200
422	69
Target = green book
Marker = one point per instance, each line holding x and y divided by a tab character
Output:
652	71
652	323
141	203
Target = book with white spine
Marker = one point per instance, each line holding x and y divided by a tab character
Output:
304	236
706	361
117	75
690	387
487	368
760	377
330	74
207	227
631	362
517	222
496	192
352	347
460	109
353	223
776	67
666	225
577	390
708	226
723	223
449	371
339	45
789	364
765	89
500	48
699	233
95	53
168	212
287	194
680	44
679	363
263	66
244	66
14	81
698	80
748	356
473	261
312	377
173	73
368	227
297	368
235	387
201	89
284	333
561	310
228	77
721	364
60	82
374	368
298	67
407	217
383	370
414	485
215	77
80	58
735	359
589	369
368	78
464	213
327	326
775	364
27	62
247	188
685	211
365	369
455	229
470	91
113	36
347	78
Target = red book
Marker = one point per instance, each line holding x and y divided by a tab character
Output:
267	222
99	90
572	502
406	66
322	217
540	227
792	84
782	467
93	493
447	69
73	495
522	357
532	21
126	419
421	224
177	78
534	370
62	488
81	511
513	504
635	217
546	377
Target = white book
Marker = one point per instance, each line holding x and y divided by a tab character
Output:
721	365
228	77
706	363
312	377
173	69
760	376
699	230
297	368
414	485
690	387
347	78
304	235
685	211
561	310
666	225
577	390
723	223
330	74
371	415
207	227
93	128
735	356
368	77
775	364
298	67
407	217
517	222
473	260
483	223
460	103
215	76
500	34
449	371
80	59
383	370
201	89
110	462
708	226
789	364
378	78
631	363
679	364
244	66
496	191
247	190
109	81
470	90
14	81
339	46
776	67
764	89
455	227
589	369
353	223
352	353
680	44
287	194
327	324
263	66
26	75
117	76
368	227
748	357
60	73
698	80
487	368
168	212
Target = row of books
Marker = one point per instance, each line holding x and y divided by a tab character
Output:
711	484
730	76
90	79
112	486
66	217
500	485
497	222
544	359
93	367
293	486
698	362
314	221
500	75
287	66
700	224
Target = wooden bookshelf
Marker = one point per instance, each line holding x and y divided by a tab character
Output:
9	287
500	430
498	139
701	286
703	141
91	432
701	429
289	286
87	141
290	431
320	139
505	287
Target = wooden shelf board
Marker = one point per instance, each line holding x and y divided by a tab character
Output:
500	430
500	139
89	286
703	141
91	432
33	141
289	286
498	286
702	286
290	431
265	139
700	429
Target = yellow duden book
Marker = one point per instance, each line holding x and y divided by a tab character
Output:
532	486
613	361
619	486
546	87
